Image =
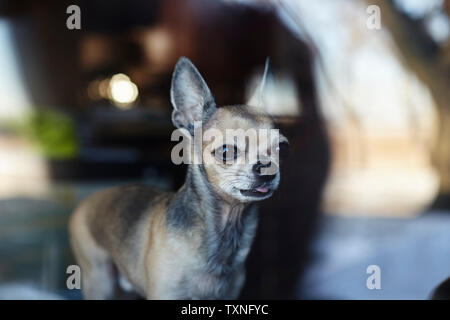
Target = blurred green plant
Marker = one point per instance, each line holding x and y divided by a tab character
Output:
52	132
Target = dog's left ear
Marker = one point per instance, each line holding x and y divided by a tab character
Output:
258	97
190	96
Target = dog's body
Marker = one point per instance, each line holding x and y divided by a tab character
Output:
191	244
163	243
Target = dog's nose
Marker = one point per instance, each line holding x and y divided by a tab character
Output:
257	169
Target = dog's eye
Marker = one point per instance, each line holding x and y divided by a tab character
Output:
226	153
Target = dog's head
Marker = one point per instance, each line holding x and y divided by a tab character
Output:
239	149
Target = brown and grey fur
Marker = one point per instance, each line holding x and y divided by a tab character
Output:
191	244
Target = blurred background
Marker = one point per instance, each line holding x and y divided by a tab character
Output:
367	112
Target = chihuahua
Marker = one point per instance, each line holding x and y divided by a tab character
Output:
191	244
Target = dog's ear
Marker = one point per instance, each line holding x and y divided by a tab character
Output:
258	97
190	96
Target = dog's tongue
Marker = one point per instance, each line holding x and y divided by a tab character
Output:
262	189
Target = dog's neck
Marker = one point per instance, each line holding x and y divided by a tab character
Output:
229	225
208	200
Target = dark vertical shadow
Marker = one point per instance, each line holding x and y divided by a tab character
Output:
288	220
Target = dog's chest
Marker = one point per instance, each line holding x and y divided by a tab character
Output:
210	256
217	270
203	283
